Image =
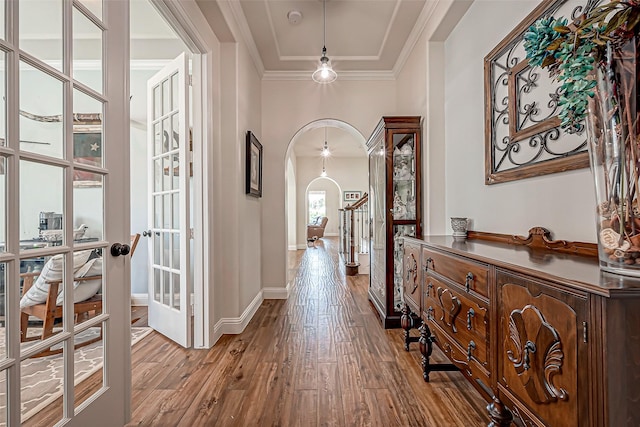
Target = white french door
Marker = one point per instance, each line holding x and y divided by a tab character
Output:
64	201
169	217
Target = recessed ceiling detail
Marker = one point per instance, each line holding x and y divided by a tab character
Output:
362	35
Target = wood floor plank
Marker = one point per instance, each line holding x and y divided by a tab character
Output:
330	411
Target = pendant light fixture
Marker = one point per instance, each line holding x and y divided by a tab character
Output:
324	73
324	171
325	148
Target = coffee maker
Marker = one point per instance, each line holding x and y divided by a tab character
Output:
50	221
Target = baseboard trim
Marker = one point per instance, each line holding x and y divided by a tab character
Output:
140	300
235	325
293	247
301	246
276	293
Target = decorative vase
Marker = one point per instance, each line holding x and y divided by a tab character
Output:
613	131
459	226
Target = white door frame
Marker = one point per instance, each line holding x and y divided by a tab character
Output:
203	44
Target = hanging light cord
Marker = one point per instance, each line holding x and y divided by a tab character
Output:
324	26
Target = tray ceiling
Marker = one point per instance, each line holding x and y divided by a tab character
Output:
362	36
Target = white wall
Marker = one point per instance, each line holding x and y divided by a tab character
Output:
447	64
250	208
560	202
359	103
348	173
292	202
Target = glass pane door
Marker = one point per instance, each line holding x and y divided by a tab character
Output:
56	220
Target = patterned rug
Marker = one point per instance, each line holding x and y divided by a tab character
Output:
42	376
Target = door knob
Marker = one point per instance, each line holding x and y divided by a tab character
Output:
118	249
146	233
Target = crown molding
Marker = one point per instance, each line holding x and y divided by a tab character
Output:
423	19
394	14
342	75
243	26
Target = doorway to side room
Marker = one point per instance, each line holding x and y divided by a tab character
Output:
166	195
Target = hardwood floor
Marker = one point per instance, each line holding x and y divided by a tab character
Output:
319	358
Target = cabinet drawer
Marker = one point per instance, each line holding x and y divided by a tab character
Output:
470	275
463	319
411	277
469	367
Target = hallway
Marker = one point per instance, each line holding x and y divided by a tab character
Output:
319	358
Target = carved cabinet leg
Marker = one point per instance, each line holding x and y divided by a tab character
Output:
426	347
499	414
406	322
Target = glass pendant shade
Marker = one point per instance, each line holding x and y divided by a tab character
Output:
324	73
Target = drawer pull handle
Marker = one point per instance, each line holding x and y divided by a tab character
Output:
430	313
470	314
470	348
529	347
429	287
427	262
467	282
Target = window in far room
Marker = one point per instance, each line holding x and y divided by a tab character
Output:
317	205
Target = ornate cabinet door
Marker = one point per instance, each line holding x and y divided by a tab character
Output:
412	277
542	345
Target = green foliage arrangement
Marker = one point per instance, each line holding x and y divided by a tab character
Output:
570	51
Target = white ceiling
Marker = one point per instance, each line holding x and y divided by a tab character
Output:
340	143
363	37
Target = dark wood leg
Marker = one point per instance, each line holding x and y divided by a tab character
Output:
499	414
426	347
406	322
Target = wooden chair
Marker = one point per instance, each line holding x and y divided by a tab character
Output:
48	311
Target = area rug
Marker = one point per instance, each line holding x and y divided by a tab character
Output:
42	382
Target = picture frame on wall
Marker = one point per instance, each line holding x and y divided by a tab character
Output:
352	196
254	166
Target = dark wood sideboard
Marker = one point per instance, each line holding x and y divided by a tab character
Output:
545	336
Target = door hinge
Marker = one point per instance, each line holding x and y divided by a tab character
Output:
191	235
190	79
585	332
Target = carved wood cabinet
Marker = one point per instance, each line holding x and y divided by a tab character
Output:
545	337
395	208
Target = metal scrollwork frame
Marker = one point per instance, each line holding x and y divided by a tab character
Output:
522	131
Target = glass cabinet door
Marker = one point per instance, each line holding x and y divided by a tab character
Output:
404	176
377	194
399	231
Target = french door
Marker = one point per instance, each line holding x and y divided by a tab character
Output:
64	201
170	168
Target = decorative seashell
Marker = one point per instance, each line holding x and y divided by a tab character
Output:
609	238
604	209
618	253
625	246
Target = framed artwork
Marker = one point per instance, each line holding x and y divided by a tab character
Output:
352	196
523	137
254	166
87	149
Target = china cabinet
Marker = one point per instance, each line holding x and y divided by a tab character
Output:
396	208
